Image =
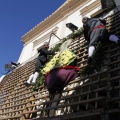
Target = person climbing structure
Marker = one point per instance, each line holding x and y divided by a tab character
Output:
40	61
95	31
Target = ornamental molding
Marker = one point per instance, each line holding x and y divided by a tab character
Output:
67	8
91	7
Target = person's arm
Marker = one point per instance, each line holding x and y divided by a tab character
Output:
85	32
103	21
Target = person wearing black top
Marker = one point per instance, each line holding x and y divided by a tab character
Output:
40	61
95	31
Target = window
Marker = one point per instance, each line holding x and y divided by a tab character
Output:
108	4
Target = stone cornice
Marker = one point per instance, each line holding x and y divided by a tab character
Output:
91	7
53	19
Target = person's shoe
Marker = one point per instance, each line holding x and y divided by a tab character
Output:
27	84
90	60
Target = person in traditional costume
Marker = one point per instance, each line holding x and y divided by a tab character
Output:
40	62
95	31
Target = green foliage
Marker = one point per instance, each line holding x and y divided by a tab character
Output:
96	64
73	35
56	48
77	33
64	39
39	82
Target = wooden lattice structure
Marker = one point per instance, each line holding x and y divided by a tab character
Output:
86	98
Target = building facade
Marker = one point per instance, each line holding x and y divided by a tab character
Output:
93	97
71	11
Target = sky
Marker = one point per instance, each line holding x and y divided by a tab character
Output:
17	17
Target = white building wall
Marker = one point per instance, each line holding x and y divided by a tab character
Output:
63	27
26	53
75	19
